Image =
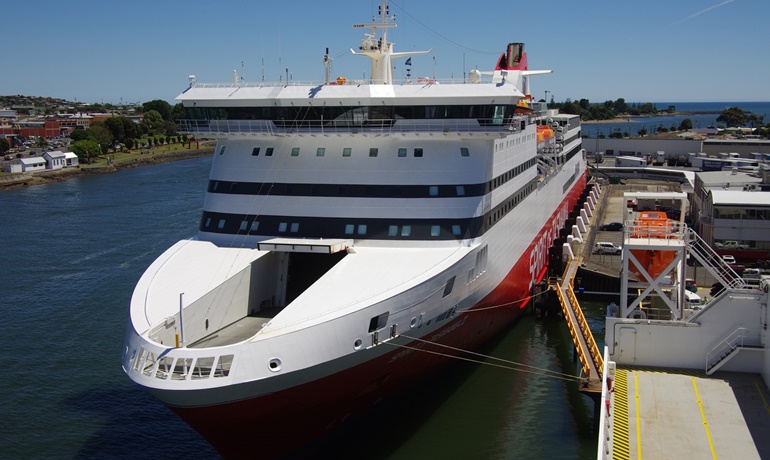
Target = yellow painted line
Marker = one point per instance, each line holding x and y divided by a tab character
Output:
762	395
620	447
638	419
703	415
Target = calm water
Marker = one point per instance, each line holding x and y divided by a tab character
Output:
74	250
633	126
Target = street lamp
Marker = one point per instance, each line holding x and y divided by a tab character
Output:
546	98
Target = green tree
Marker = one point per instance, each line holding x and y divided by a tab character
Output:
734	117
116	128
621	106
102	135
41	142
86	150
79	135
642	132
685	125
179	113
4	145
169	128
129	143
153	121
160	106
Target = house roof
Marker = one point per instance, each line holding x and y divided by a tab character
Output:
740	197
55	154
32	161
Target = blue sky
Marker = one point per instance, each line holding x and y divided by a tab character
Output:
651	51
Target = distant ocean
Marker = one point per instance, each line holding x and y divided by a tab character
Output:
699	119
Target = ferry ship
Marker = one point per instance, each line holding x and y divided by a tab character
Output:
350	230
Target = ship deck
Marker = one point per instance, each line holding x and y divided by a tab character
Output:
682	414
238	331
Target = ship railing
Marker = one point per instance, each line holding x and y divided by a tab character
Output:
726	346
384	126
423	81
180	364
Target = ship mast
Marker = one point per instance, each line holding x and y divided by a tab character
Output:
380	50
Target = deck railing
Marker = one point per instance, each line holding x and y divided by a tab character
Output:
384	126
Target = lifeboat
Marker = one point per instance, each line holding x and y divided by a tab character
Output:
652	224
543	133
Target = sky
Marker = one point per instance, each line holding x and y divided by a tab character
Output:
652	51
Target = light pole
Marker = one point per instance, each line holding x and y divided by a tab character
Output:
546	98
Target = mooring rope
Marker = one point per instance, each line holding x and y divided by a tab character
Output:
492	307
535	370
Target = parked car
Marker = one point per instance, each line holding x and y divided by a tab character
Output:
689	284
730	260
612	227
607	248
730	244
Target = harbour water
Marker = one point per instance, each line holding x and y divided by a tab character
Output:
72	254
697	114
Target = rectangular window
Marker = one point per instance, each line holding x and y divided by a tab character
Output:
456	230
393	230
294	227
221	224
402	152
460	190
465	152
373	152
255	152
244	225
406	230
362	229
208	222
321	151
418	152
433	190
449	285
347	151
295	151
269	152
254	226
435	230
282	227
349	229
378	322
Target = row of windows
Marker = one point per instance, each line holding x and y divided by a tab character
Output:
354	114
312	227
316	227
346	152
741	213
376	191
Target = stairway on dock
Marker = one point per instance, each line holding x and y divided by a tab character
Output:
588	353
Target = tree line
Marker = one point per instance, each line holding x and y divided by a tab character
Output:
157	127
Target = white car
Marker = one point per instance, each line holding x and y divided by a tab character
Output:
607	248
730	260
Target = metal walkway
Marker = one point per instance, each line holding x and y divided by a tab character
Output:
587	351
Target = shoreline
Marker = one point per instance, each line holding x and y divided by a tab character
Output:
628	118
21	180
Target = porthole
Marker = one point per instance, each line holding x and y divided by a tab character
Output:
274	365
413	323
358	344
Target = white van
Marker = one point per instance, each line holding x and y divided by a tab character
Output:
603	247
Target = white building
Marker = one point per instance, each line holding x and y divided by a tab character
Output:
33	164
732	206
70	159
55	159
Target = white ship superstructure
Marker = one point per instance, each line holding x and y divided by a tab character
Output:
342	221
